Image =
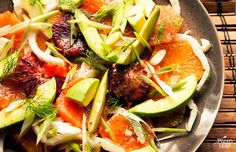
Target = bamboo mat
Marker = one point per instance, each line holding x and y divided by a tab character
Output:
222	137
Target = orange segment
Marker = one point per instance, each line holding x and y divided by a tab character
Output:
41	41
8	18
171	22
69	110
124	136
181	54
93	5
55	18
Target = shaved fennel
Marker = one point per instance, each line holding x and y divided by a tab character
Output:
199	53
5	46
5	30
158	57
51	5
206	45
108	145
40	54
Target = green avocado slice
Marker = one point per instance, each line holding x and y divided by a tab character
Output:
44	93
84	91
13	117
129	56
167	104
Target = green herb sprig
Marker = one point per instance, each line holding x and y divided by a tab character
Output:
114	102
42	110
93	60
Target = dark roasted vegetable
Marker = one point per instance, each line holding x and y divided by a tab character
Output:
125	81
62	37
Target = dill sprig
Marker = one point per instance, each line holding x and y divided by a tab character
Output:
114	102
44	110
93	60
8	65
139	130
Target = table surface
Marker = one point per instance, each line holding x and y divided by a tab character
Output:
222	137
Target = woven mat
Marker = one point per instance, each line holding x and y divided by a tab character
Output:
222	137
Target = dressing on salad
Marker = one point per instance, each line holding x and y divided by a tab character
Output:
95	75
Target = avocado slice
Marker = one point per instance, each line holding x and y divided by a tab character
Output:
84	91
98	104
136	17
129	56
168	104
44	93
148	6
35	9
91	35
12	117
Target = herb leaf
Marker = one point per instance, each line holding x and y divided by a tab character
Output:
114	55
171	130
137	55
54	51
41	110
143	41
108	129
42	103
8	65
73	32
174	88
166	69
93	60
113	102
138	130
153	84
69	76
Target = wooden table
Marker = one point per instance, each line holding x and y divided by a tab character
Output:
222	137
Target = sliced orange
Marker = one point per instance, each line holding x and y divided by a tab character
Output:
180	54
93	6
124	136
55	18
69	110
171	23
41	41
8	18
9	92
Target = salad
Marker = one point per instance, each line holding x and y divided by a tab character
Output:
98	75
